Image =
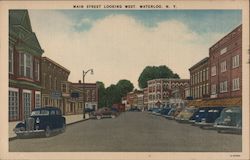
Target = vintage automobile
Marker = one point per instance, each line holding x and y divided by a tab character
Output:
207	118
186	114
105	112
42	122
156	111
173	112
230	120
165	111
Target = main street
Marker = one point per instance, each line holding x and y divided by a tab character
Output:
131	131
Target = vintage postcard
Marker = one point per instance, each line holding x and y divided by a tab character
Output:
124	79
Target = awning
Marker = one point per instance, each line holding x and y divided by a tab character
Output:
237	101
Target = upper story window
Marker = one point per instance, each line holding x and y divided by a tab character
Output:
213	71
37	70
224	50
223	87
25	65
235	61
64	87
11	55
213	89
236	84
223	66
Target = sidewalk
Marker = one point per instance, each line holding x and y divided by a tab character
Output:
70	119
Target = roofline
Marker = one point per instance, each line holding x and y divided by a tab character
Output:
171	79
225	36
57	64
199	63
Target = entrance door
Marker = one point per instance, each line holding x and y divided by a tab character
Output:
26	103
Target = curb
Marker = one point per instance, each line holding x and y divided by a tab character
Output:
14	138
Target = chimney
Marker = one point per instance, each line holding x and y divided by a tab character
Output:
79	82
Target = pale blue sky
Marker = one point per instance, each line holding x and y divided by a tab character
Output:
118	44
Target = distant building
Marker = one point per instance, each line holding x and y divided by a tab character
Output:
161	90
90	92
226	65
145	98
199	79
52	77
24	66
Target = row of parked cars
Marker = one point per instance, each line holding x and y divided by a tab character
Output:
223	119
48	120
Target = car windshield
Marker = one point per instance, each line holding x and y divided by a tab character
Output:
40	113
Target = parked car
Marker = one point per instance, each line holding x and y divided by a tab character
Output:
165	111
105	112
230	120
156	111
170	114
196	114
42	121
186	114
134	109
208	117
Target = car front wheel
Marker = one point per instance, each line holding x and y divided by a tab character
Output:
47	131
63	127
98	117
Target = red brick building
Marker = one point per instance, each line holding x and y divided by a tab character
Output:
199	79
24	66
90	92
160	91
226	66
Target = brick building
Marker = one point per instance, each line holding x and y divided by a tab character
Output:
52	77
145	98
91	94
160	91
226	66
225	72
199	79
24	66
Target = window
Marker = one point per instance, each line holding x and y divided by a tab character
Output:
26	103
207	74
224	50
37	70
26	67
55	84
37	99
13	104
50	82
213	71
213	89
223	87
11	53
207	88
223	66
203	75
236	84
235	61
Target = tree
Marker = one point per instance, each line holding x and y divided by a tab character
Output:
101	94
124	86
112	95
154	72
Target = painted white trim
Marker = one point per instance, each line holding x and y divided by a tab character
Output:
37	92
27	91
13	89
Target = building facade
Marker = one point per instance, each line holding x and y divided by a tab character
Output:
226	66
24	66
160	91
90	93
145	98
52	77
199	79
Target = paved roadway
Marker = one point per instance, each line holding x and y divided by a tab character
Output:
131	131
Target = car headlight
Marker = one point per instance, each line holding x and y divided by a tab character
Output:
37	120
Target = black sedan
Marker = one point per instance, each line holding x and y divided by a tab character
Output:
42	121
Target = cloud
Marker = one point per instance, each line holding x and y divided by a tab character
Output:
118	46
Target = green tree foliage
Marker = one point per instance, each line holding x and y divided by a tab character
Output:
154	72
124	86
101	94
114	93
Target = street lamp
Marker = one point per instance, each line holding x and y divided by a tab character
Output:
83	87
